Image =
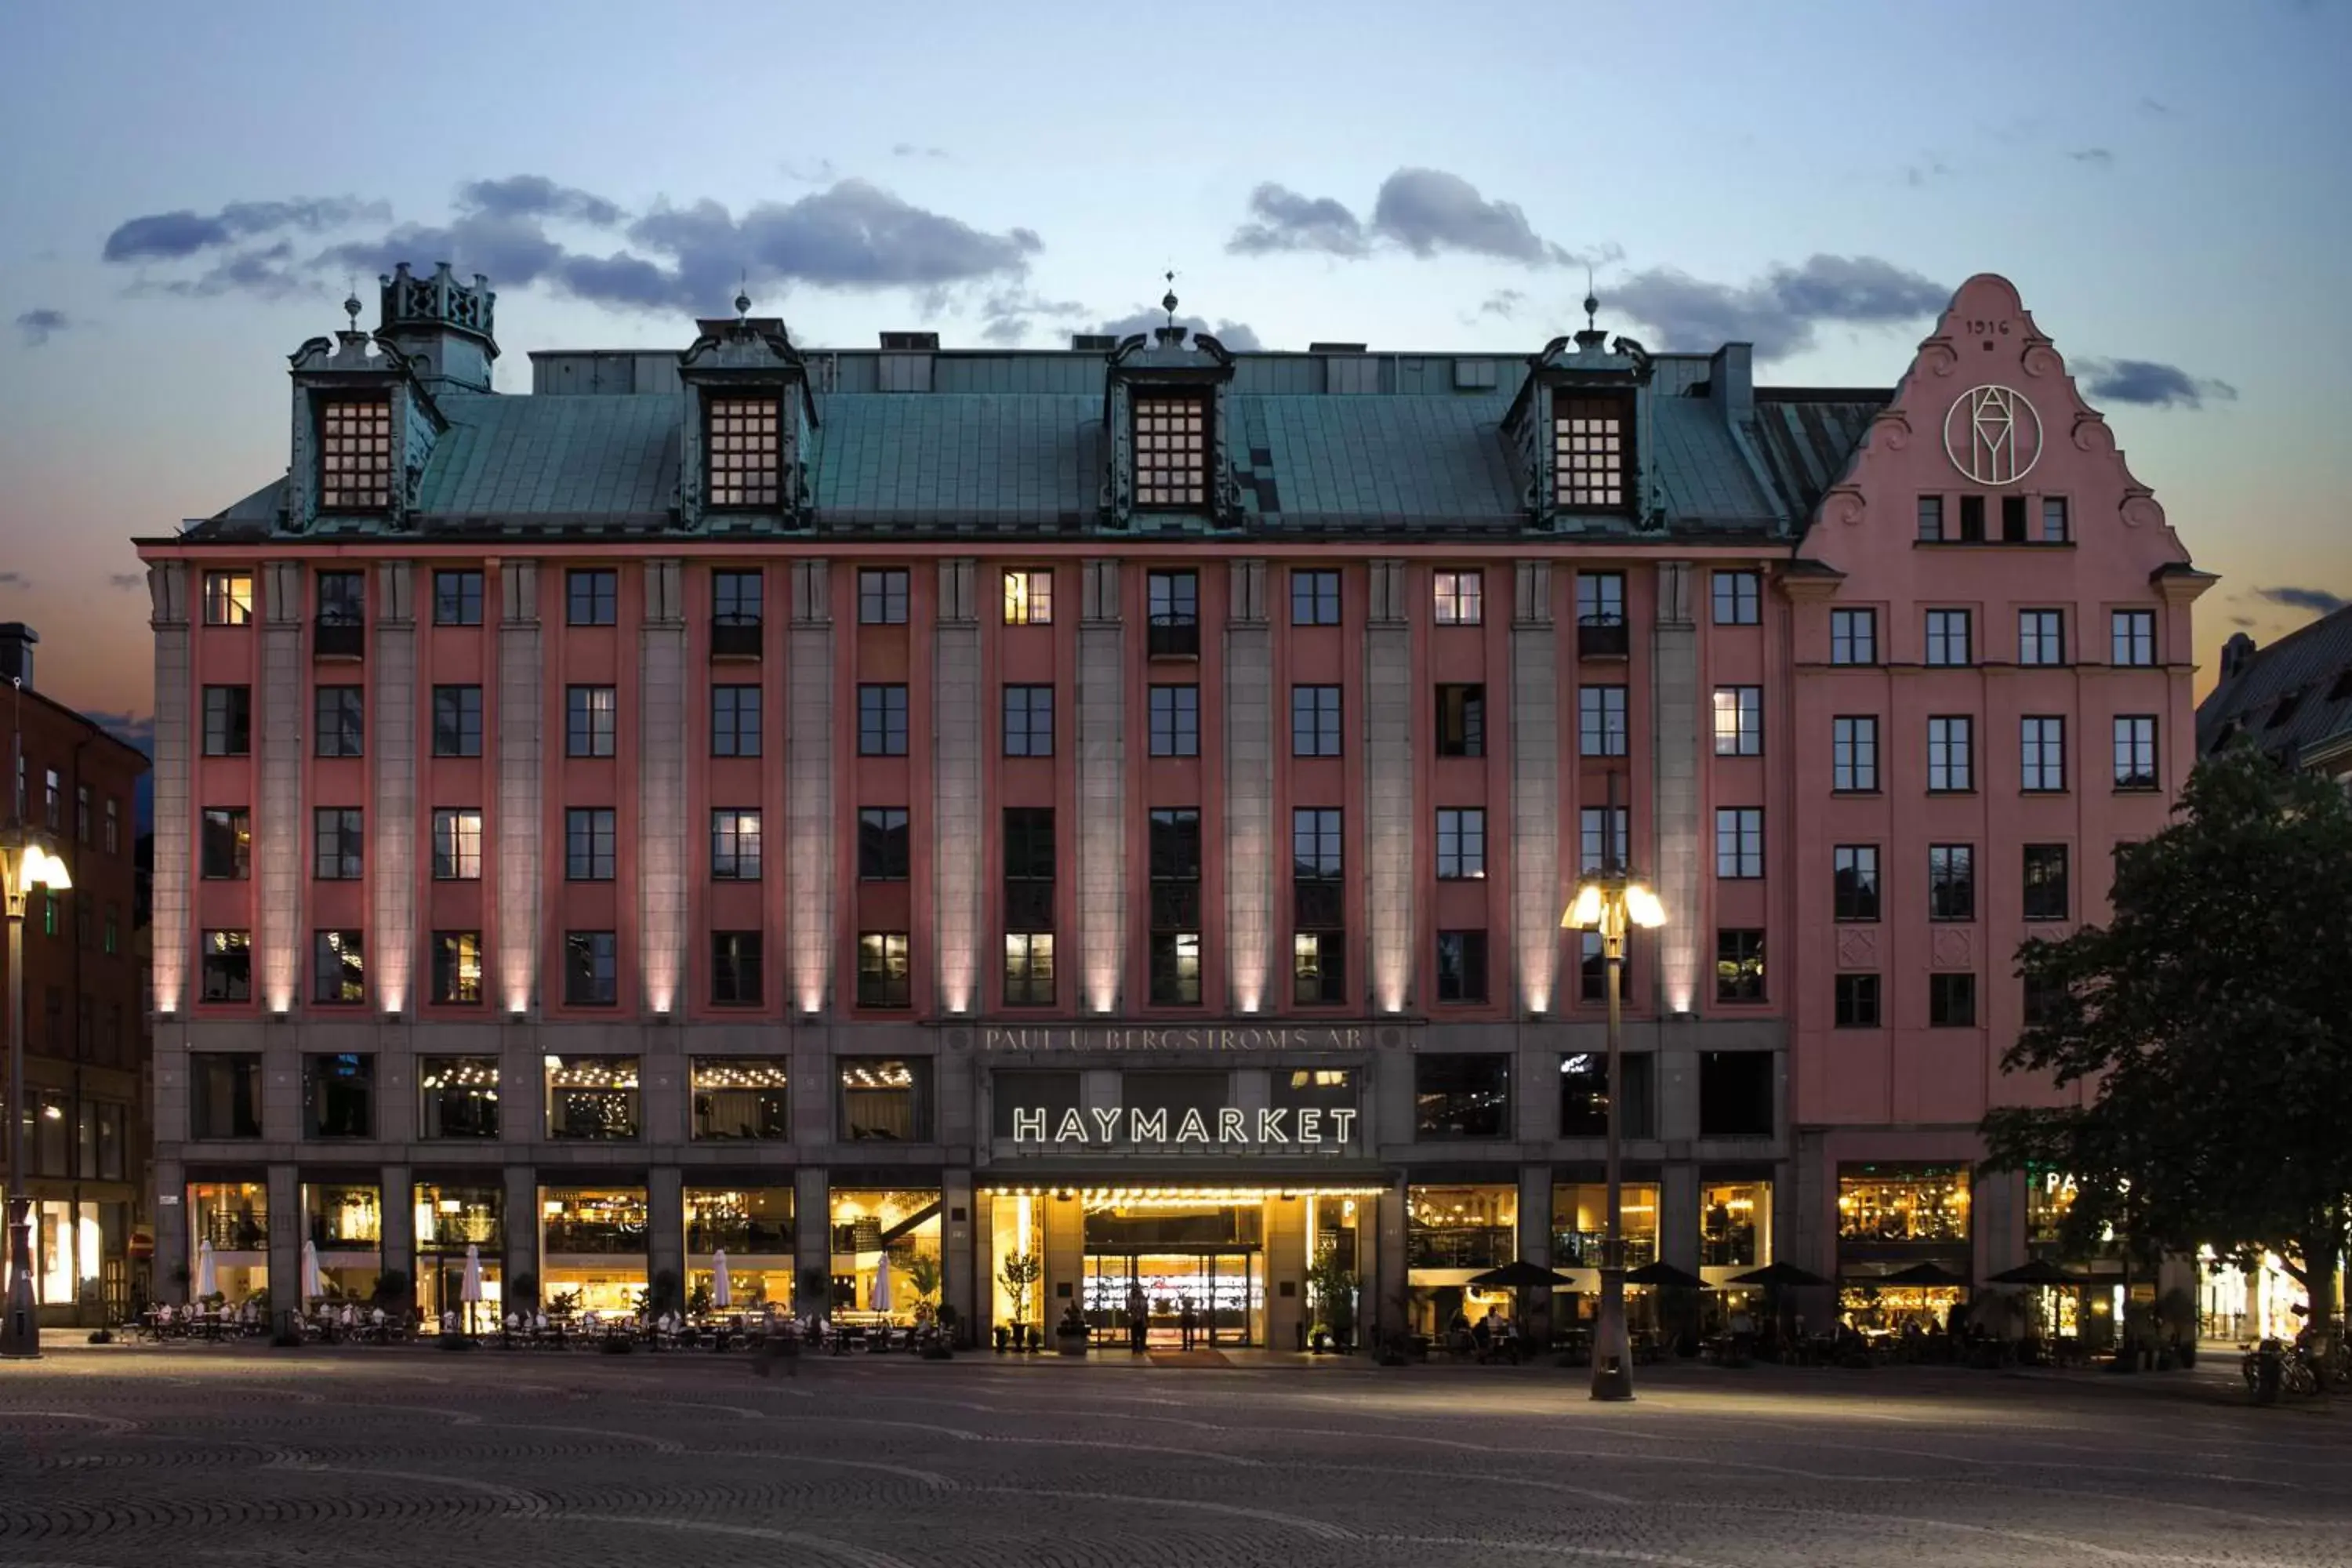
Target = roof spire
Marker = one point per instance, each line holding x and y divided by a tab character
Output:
1168	300
744	294
1590	340
352	303
1171	336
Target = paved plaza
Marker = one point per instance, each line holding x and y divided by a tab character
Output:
141	1457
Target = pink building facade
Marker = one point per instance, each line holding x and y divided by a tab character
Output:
884	813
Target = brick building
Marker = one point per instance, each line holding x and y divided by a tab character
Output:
1178	763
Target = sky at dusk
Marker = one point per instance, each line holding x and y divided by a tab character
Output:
188	192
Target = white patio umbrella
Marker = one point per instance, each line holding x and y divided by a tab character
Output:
879	1299
206	1278
470	1290
722	1289
312	1286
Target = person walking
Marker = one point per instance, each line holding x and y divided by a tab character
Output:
1186	1320
1139	1318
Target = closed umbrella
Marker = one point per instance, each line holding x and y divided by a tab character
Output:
206	1280
1665	1274
722	1289
312	1286
1778	1273
470	1290
2040	1271
1518	1275
879	1301
1927	1273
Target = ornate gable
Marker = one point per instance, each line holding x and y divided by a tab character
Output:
1577	435
363	430
1167	415
748	422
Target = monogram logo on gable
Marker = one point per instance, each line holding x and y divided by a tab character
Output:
1993	435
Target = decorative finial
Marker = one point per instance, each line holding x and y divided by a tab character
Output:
1168	300
1591	305
744	294
352	303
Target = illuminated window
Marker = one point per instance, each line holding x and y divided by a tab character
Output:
1029	969
229	598
1460	598
1171	452
457	846
884	973
1738	720
457	965
227	846
354	454
227	965
593	1099
1590	453
735	845
741	1097
1176	968
1029	598
1319	968
744	452
460	1099
1738	965
885	1099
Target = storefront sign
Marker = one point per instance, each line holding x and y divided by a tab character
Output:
1135	1037
1126	1127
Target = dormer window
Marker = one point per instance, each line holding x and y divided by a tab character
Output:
1592	450
745	452
1171	452
354	454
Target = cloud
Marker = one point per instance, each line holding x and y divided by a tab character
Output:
262	273
909	150
536	196
1502	302
134	729
129	581
1007	315
1235	335
1926	170
178	235
15	580
2318	601
40	324
2097	157
2149	384
1424	212
2154	106
1780	312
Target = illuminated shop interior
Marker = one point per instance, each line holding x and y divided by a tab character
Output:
592	1247
448	1219
234	1216
345	1224
872	1226
1451	1234
753	1225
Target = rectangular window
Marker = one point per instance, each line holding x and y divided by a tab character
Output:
882	596
591	843
1853	636
1029	854
1856	998
1314	599
1175	866
1738	720
1460	598
354	454
1931	518
1584	1113
2136	751
338	720
1599	849
228	966
744	451
1952	1001
1029	969
229	598
228	844
1738	965
2040	636
1317	875
1951	754
735	845
734	720
228	723
2045	882
1973	520
1028	720
1600	613
591	969
882	844
738	614
1853	755
2054	519
591	715
2132	634
1739	842
113	826
1735	1094
457	598
886	1100
1029	598
1461	720
883	970
1171	452
1592	453
1951	883
1172	607
1314	721
1854	895
1175	721
458	967
338	844
456	721
2013	519
1601	721
1461	966
457	845
458	1097
1948	637
881	720
1461	1096
593	1098
1461	843
1176	844
1176	968
342	605
338	968
592	596
2041	754
224	1094
735	968
1738	598
1319	968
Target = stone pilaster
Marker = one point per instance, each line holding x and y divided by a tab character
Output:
1535	789
959	813
172	1252
1674	728
813	1235
396	1196
666	1229
516	817
284	1238
808	787
1102	931
1390	700
1249	790
661	791
962	1284
280	835
168	930
1535	1247
392	832
520	1223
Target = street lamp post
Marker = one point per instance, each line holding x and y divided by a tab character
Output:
23	866
1610	904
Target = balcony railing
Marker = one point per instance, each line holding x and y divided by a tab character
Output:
735	636
336	636
577	1237
1602	636
1583	1248
1175	637
1476	1247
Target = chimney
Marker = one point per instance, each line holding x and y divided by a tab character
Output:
2236	654
1731	381
17	640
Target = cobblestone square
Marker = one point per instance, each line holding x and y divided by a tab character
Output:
133	1456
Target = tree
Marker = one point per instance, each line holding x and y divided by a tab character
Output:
1021	1272
2212	1021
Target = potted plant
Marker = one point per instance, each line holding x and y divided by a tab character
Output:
1020	1272
1332	1287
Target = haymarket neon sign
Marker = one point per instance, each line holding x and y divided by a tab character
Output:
1129	1126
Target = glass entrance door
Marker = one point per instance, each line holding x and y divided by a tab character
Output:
1222	1290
